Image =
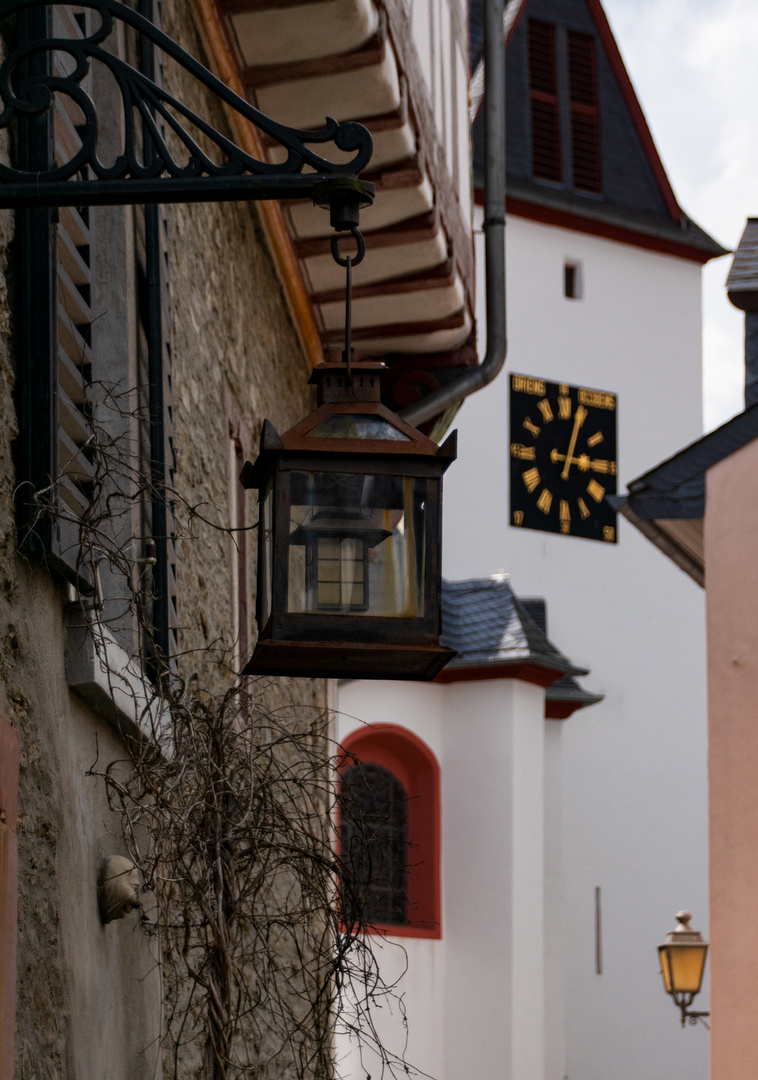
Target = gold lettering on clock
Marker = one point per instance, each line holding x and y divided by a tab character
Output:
547	412
597	491
532	427
564	516
531	478
564	408
545	501
524	453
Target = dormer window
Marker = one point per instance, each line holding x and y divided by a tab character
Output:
564	94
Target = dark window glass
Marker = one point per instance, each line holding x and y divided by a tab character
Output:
585	134
571	281
374	838
543	93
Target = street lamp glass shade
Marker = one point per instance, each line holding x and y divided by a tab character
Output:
682	958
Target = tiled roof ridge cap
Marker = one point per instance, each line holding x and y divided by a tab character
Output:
493	581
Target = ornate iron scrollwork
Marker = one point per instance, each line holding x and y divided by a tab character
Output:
28	90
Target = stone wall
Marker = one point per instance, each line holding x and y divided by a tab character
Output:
88	995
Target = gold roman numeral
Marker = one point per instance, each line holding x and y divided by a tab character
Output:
597	491
531	478
564	408
564	515
518	517
547	412
599	465
525	453
531	427
583	510
595	439
545	501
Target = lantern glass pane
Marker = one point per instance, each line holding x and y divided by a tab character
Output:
686	963
663	955
356	544
357	426
265	549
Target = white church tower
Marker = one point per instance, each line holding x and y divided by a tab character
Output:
567	836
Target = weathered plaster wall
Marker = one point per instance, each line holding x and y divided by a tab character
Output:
88	995
87	1001
731	528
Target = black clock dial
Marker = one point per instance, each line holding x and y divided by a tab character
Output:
563	458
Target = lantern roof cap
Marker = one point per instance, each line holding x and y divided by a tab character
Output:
683	934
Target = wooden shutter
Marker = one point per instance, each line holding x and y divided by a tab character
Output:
543	94
73	323
585	130
54	451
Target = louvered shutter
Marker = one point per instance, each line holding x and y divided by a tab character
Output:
543	94
585	129
54	454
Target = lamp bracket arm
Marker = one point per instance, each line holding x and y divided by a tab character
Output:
184	159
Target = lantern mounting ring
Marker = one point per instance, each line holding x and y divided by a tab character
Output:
349	260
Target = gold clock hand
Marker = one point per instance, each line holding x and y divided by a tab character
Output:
583	461
579	417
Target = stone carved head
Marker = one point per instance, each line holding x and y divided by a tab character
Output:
117	888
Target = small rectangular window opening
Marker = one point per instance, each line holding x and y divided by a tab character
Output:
572	280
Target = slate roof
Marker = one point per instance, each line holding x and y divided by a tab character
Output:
567	691
743	276
676	487
636	194
484	621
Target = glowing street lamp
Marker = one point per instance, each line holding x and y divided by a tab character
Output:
682	956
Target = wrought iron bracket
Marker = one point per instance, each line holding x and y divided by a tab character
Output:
187	158
691	1016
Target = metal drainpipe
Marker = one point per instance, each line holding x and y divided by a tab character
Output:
494	230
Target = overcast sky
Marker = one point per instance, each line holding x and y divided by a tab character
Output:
694	65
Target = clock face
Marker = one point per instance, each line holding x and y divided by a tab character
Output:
563	458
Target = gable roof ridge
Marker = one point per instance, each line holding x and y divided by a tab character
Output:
629	94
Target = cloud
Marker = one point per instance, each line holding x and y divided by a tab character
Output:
693	64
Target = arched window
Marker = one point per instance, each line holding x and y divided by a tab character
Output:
374	838
389	831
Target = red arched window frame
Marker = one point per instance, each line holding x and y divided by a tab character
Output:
409	759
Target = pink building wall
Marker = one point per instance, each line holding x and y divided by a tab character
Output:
731	547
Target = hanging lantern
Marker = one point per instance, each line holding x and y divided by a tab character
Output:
349	529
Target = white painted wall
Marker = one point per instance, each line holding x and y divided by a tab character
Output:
634	767
555	908
475	998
